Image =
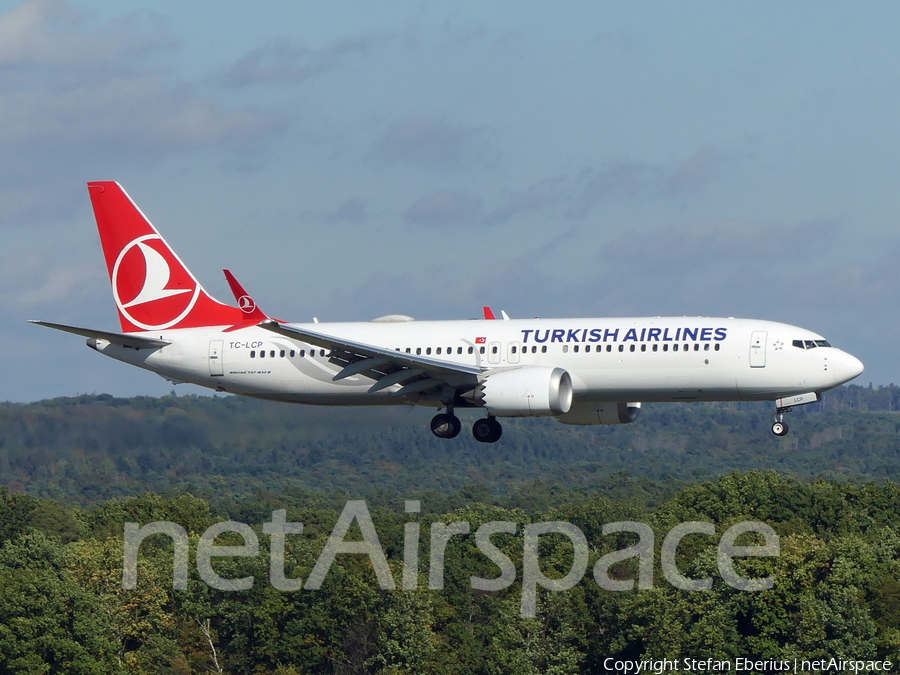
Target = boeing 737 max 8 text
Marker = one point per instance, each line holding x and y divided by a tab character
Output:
581	371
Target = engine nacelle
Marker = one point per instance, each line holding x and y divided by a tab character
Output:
618	412
526	392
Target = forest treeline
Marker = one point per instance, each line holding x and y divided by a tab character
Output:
63	609
89	448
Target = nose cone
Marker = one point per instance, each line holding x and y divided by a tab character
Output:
845	367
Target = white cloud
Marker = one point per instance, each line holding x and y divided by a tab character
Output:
282	61
434	144
31	282
75	94
444	207
635	179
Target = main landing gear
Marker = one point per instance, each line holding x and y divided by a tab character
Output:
447	425
487	430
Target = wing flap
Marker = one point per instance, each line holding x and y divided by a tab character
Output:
402	366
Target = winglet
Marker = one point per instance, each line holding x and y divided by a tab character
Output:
252	313
244	301
489	314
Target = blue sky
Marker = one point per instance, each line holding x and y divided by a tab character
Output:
576	159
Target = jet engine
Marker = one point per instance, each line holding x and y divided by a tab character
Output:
526	392
617	412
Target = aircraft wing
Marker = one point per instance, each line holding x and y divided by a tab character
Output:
132	341
415	374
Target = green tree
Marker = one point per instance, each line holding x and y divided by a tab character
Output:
48	622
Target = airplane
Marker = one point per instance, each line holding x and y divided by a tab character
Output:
580	371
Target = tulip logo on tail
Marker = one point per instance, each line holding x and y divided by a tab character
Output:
245	302
151	287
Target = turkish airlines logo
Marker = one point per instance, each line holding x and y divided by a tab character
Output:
245	302
480	340
151	287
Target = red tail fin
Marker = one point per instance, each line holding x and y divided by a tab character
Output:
152	288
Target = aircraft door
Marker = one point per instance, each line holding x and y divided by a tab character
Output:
512	352
494	352
216	367
758	349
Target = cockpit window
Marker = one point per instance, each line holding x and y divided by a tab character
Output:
810	344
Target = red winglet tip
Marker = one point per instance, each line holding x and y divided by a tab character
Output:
251	311
489	314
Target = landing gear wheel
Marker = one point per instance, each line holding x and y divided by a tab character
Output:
780	429
445	426
487	430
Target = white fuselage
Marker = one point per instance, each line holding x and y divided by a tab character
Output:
621	359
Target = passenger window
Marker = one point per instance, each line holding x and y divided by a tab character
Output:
428	350
717	346
513	350
293	353
481	350
643	348
665	348
408	350
438	350
471	350
253	354
534	349
655	347
459	350
302	352
544	349
565	349
418	351
631	348
621	348
321	352
674	348
494	349
706	347
282	353
696	346
262	353
575	349
609	348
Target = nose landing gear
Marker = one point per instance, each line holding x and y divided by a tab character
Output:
779	428
788	403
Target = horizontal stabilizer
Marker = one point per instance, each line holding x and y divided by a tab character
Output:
132	341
